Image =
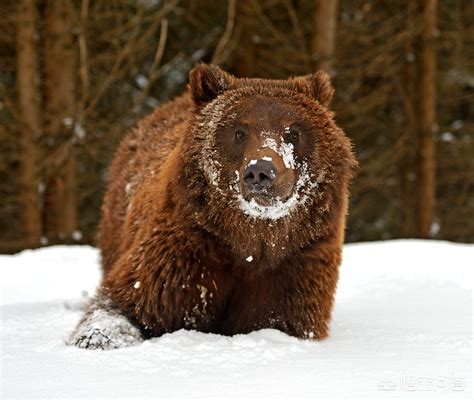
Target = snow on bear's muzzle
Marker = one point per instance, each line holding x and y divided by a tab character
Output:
271	183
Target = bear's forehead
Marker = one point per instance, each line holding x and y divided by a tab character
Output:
268	105
267	111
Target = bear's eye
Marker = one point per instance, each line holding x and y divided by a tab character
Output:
292	134
240	135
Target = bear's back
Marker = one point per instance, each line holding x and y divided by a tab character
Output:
150	142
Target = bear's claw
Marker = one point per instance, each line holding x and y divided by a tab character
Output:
104	327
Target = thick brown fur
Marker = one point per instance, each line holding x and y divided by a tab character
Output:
175	245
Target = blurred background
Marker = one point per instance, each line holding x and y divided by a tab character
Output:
75	75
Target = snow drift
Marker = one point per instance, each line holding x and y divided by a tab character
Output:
402	327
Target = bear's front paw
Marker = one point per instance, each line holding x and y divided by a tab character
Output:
104	328
95	339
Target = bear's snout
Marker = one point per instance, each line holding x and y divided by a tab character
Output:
259	175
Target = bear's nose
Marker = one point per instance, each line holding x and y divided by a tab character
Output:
259	174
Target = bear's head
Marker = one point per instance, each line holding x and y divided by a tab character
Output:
268	169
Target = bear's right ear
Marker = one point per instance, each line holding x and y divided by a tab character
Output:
206	82
317	85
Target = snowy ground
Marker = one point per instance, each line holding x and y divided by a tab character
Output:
402	327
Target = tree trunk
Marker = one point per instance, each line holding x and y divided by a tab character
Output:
324	39
245	51
427	126
407	143
59	105
30	125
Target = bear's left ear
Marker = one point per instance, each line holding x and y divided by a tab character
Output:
317	85
206	82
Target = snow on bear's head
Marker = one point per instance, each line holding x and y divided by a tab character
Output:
268	149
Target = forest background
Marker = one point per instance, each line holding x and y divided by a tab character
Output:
75	75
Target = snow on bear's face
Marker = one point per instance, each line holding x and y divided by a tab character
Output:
261	153
259	142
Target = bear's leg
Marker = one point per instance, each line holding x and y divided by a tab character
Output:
297	300
312	298
104	327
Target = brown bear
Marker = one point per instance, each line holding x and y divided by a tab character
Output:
225	213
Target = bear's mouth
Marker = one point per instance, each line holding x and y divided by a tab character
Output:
264	197
276	201
267	193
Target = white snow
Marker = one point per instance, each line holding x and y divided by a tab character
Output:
77	235
209	163
284	150
457	124
402	327
79	131
128	188
142	81
278	209
105	329
67	121
447	137
303	187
